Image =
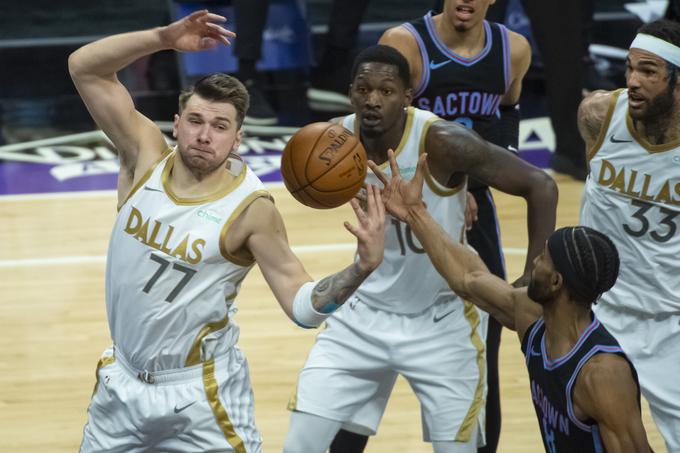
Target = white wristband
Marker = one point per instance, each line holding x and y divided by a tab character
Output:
304	313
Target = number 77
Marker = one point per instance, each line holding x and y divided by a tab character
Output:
188	273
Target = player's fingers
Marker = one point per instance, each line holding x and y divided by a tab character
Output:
393	163
380	206
360	213
220	31
197	15
378	172
351	228
212	17
361	194
420	169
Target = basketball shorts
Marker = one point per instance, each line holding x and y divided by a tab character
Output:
652	343
354	363
207	407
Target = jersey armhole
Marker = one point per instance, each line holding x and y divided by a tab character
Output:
145	177
435	186
425	67
605	125
237	212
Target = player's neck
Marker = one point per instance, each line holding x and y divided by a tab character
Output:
565	322
661	130
466	43
376	146
188	183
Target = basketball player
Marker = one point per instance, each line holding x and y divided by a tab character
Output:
404	319
468	70
191	223
583	387
633	196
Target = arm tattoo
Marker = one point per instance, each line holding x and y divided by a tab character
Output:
338	287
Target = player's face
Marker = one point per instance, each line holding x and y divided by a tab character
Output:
542	288
379	97
206	133
650	96
466	14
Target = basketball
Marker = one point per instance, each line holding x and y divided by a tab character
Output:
323	165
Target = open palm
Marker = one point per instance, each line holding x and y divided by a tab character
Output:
399	195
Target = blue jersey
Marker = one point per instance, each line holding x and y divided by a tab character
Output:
552	387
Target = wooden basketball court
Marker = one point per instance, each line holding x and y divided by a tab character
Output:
53	323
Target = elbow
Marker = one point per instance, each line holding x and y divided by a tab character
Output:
543	188
74	65
77	66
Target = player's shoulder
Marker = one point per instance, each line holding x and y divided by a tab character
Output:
400	38
604	370
599	100
520	50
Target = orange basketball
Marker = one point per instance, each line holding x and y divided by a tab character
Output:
323	165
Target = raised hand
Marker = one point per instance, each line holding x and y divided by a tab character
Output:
370	232
399	194
197	31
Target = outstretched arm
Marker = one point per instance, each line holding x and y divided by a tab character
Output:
463	270
93	69
453	149
606	392
264	237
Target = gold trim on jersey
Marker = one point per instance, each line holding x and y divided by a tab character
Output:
145	177
429	179
642	141
223	421
104	361
165	179
194	356
234	215
410	114
605	125
467	427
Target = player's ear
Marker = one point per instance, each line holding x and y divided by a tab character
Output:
175	125
239	138
408	97
556	281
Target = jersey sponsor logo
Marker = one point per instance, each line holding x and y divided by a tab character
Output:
635	184
439	318
209	215
554	418
161	237
616	140
475	103
434	65
179	409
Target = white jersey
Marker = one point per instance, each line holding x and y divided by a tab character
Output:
633	196
170	285
406	281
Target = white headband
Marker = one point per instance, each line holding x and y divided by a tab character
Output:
659	47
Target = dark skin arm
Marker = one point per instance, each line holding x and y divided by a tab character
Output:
606	392
454	151
463	270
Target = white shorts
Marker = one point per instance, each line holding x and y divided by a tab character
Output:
354	363
653	345
207	407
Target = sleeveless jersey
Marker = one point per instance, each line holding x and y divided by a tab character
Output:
552	386
466	90
170	285
633	196
406	282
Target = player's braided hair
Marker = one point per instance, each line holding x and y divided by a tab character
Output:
587	260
